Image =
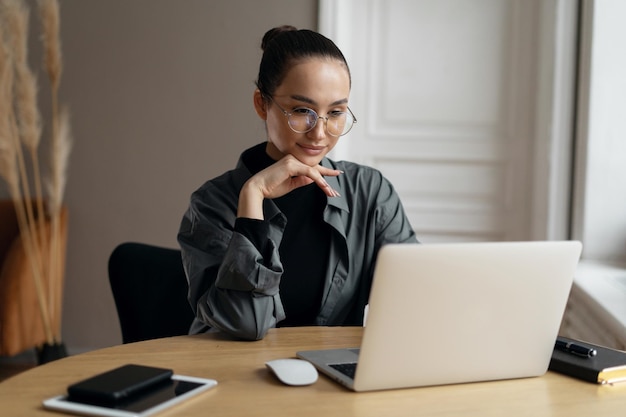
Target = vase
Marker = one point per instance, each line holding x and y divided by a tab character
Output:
50	352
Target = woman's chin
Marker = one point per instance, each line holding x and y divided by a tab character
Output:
309	160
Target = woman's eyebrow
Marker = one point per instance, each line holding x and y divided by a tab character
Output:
312	102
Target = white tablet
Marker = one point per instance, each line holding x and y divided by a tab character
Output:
181	388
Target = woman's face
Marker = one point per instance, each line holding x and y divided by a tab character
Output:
320	84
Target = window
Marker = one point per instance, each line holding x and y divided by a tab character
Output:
600	180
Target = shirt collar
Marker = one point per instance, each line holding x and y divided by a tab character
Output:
340	202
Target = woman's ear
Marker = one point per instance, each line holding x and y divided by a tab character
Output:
259	104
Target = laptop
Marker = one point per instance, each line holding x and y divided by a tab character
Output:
454	313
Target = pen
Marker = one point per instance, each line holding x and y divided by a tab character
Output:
573	348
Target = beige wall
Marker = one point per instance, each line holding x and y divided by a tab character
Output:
161	99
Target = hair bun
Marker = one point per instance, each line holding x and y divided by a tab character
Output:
273	33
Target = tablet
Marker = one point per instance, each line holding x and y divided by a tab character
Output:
178	389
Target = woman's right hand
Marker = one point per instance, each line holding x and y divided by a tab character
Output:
279	179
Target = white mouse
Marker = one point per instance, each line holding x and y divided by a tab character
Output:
295	372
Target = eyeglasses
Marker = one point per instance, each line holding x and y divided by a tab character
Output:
303	119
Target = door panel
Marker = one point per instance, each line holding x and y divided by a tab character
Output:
444	93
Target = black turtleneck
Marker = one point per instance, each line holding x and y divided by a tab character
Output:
303	249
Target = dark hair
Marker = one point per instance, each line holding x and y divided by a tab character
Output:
284	45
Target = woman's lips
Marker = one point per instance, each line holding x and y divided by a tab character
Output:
312	150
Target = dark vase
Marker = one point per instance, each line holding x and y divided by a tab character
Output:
50	352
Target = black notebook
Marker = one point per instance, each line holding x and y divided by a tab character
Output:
607	366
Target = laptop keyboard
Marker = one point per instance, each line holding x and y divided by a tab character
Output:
348	369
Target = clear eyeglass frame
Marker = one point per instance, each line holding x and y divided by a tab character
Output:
310	118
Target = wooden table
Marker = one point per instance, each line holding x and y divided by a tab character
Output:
246	388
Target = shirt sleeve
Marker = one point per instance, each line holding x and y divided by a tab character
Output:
232	266
392	223
256	231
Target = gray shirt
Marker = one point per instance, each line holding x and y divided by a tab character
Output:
234	288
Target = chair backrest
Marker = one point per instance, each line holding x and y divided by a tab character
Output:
150	291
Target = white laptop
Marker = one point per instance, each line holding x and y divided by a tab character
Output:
456	313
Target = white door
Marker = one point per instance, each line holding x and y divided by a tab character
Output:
450	97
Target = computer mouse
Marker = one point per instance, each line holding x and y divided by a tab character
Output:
296	372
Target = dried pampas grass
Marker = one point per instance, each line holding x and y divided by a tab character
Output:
21	127
25	80
61	139
50	21
20	88
29	119
61	149
8	156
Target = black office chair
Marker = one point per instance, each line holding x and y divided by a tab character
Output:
150	291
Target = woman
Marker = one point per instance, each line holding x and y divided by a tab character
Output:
290	237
